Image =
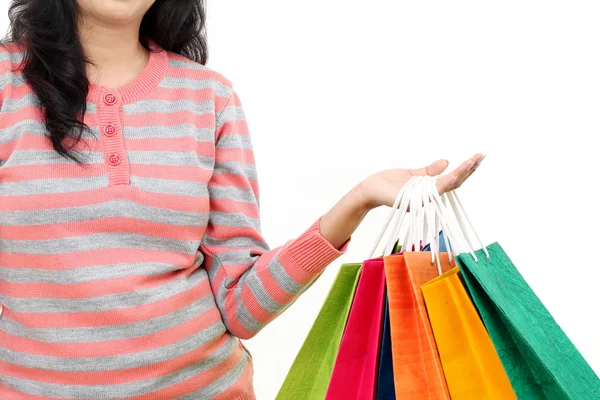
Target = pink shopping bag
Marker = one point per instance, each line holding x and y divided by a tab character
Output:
355	370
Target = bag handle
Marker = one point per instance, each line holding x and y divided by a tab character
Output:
404	207
456	229
442	215
428	210
392	214
430	223
424	222
431	213
459	211
416	207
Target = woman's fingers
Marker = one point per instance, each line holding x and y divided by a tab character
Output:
454	178
457	177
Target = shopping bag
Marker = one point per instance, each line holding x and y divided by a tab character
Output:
385	375
355	371
417	369
540	360
469	359
311	370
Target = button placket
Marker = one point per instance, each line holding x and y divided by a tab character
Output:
114	149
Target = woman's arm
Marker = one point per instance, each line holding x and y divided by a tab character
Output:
251	282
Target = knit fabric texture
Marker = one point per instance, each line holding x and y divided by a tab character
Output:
136	275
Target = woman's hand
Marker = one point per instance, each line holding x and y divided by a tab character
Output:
382	188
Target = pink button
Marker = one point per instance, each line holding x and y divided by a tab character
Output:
110	99
110	130
114	159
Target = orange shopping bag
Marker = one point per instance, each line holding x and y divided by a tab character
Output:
418	372
470	361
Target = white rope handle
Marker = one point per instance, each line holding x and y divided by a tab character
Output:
428	211
427	226
451	204
453	223
459	212
438	207
415	207
403	212
438	227
449	225
432	238
389	219
391	215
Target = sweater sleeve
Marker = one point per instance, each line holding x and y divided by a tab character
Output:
252	283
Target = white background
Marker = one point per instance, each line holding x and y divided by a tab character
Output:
336	90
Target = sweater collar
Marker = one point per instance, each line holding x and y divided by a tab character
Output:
138	88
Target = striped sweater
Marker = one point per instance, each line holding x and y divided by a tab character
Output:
136	275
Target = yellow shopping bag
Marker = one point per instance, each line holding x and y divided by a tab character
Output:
471	365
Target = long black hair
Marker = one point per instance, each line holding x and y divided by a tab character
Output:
54	64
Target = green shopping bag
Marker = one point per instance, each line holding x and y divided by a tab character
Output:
539	359
311	371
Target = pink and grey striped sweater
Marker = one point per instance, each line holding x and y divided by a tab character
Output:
135	276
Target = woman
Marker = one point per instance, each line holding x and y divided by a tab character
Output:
131	258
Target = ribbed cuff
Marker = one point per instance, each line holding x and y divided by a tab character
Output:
311	251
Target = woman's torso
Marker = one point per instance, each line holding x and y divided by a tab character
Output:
101	280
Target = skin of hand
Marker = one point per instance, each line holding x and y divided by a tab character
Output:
381	189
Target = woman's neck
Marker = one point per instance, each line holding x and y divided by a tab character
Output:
115	51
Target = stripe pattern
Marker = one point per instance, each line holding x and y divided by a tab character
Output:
137	275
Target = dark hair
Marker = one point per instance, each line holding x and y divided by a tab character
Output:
55	65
